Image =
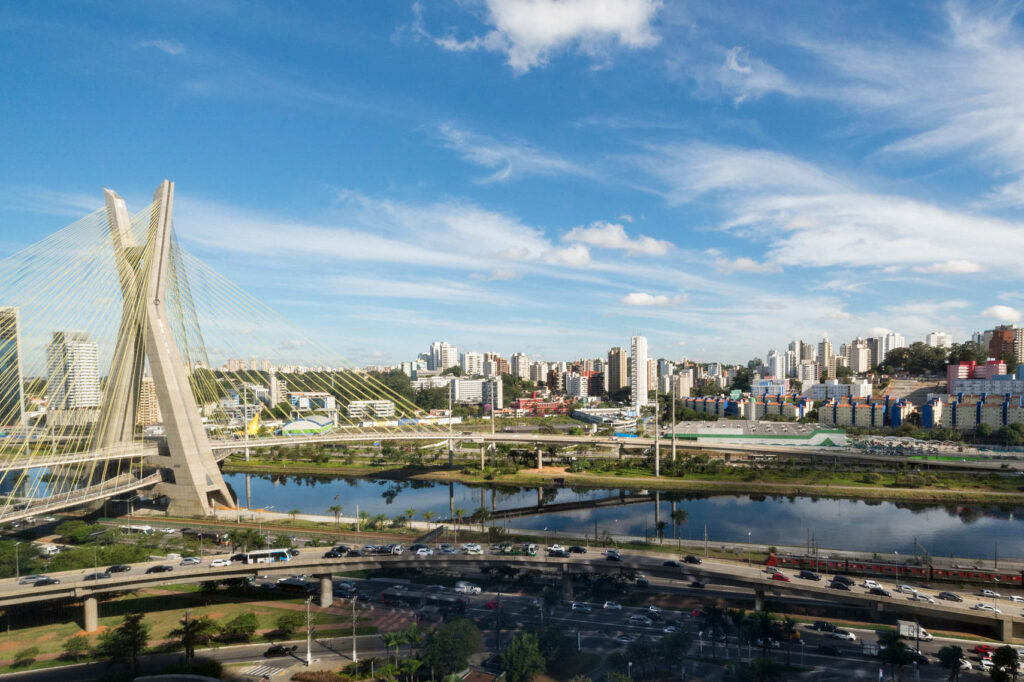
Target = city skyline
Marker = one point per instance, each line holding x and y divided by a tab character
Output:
644	168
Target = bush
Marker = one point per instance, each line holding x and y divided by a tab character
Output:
75	648
288	623
241	628
25	657
870	477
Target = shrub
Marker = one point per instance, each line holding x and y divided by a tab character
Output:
288	623
25	656
241	628
75	647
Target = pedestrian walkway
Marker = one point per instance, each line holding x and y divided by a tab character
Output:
263	671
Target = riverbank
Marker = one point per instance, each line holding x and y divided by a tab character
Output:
844	485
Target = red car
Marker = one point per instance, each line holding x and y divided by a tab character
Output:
780	576
983	649
493	604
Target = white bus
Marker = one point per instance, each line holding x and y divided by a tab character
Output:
145	530
263	556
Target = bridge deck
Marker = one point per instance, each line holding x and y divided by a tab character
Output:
109	488
38	461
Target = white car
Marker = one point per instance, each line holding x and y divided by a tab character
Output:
474	549
986	664
654	609
190	561
613	606
991	594
168	531
921	596
871	584
906	589
424	551
965	664
556	548
640	620
844	634
982	606
217	563
1016	598
580	606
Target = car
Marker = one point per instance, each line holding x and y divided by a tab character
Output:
918	658
475	549
493	604
906	589
983	606
162	568
808	575
843	579
168	531
355	553
341	549
46	581
625	638
672	563
416	546
991	594
576	549
29	579
279	650
823	626
828	650
843	634
691	559
698	584
1016	598
580	607
670	629
965	664
641	581
983	649
220	563
333	554
443	546
654	609
772	643
558	553
986	664
556	548
611	550
613	557
879	592
921	596
950	596
638	619
119	568
424	551
781	576
835	585
102	575
613	606
870	584
771	570
190	561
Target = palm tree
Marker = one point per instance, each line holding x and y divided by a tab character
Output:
949	658
336	510
660	527
893	652
194	631
409	514
679	517
736	618
363	521
458	512
294	512
764	628
410	666
428	516
392	639
715	619
787	628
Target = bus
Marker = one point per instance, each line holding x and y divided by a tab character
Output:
262	556
145	530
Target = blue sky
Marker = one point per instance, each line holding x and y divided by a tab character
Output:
545	176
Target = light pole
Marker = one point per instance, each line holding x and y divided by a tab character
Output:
309	634
629	669
748	548
17	567
355	656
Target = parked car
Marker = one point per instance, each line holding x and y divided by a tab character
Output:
950	596
691	559
162	568
781	576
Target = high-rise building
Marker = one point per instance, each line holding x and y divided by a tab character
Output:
12	392
859	355
278	389
638	370
539	372
493	394
1001	341
790	363
72	379
148	412
776	364
682	384
652	374
1018	345
939	340
808	372
472	363
495	365
890	341
577	385
664	367
520	366
443	356
618	376
824	356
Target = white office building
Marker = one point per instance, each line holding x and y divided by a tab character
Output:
370	409
939	340
519	365
776	364
638	370
473	363
576	386
468	391
539	372
443	355
831	388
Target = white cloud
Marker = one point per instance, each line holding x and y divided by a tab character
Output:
1003	313
530	31
953	267
496	275
743	264
171	47
750	78
645	299
510	158
613	236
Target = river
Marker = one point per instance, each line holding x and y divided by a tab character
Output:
963	530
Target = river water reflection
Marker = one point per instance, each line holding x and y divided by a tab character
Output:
963	530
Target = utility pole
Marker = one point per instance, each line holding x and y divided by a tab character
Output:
673	423
309	633
188	644
355	655
657	448
245	424
451	443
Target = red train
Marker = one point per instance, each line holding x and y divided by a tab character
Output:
896	571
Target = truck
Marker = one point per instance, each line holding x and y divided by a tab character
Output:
909	629
463	587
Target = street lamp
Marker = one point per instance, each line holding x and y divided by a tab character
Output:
748	548
17	569
629	669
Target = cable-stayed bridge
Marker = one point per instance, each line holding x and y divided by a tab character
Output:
125	361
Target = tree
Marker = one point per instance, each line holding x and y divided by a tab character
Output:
893	652
660	528
454	371
1004	664
192	632
679	517
127	641
392	639
288	623
787	628
522	659
715	621
448	648
968	351
25	657
741	382
241	628
75	647
410	513
950	657
428	516
336	510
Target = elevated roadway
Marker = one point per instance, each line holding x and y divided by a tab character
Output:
74	587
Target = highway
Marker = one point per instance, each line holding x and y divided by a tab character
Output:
717	572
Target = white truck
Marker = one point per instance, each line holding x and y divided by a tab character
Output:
463	587
908	629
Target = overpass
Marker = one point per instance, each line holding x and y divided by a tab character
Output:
73	587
